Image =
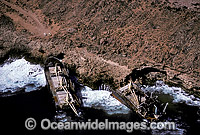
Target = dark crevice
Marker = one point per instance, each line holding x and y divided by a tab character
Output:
141	74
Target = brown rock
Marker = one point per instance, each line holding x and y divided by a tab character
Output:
71	30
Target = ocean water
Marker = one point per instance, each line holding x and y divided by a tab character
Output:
23	94
178	95
19	74
102	99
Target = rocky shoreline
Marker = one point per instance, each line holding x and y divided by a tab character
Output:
108	40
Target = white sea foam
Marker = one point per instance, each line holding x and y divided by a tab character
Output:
21	74
179	95
102	99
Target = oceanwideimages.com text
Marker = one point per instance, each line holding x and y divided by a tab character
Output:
46	124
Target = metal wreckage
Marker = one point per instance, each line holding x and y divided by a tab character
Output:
61	85
65	95
146	106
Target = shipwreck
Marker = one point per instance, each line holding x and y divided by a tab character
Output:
61	85
65	95
145	105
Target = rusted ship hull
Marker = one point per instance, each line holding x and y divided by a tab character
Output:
146	106
125	100
61	86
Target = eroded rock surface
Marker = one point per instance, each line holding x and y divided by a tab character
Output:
107	39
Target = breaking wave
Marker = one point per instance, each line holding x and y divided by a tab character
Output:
179	95
102	99
19	75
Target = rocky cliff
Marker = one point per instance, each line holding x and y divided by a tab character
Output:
108	39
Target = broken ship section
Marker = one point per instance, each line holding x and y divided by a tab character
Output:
146	106
61	86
